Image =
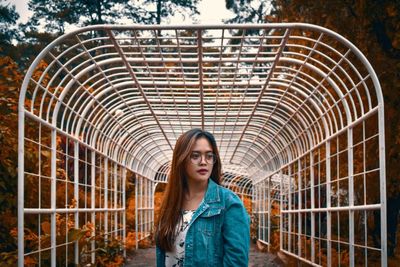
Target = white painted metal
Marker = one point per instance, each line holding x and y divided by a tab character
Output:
295	109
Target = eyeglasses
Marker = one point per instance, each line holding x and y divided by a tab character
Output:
196	157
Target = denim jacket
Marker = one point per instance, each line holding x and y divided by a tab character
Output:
219	232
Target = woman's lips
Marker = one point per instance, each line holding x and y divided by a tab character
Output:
202	171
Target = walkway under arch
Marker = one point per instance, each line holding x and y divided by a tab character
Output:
296	109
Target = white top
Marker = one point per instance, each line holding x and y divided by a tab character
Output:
176	257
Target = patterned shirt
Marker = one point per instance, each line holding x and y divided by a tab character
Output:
176	257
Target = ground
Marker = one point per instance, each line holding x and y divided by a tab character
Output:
147	258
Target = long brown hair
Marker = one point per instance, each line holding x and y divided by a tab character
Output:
170	211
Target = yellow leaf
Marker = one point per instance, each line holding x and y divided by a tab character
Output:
46	153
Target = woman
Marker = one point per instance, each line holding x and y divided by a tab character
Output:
200	223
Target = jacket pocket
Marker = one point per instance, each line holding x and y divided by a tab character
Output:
209	221
211	212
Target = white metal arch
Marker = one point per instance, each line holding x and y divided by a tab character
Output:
297	112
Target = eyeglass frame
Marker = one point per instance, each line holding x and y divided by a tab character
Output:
198	161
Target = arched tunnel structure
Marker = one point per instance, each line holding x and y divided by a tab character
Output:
296	109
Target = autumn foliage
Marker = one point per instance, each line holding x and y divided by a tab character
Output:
10	81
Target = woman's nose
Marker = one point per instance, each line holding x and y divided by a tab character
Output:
203	160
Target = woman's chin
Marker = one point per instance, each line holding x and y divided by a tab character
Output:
201	177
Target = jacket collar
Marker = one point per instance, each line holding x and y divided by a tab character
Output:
212	193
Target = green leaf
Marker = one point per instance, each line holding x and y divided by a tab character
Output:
75	234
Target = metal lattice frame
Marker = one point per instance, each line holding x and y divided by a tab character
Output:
293	101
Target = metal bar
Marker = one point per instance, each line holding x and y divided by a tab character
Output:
290	208
53	196
136	211
66	210
351	195
129	68
21	180
265	208
328	203
300	204
69	136
382	183
343	208
106	173
269	211
333	135
281	195
274	64
312	205
116	178
200	64
93	205
141	219
76	199
124	207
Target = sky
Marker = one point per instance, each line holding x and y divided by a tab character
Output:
211	12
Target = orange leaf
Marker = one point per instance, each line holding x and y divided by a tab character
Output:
29	260
46	227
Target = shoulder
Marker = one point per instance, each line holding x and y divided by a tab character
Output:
233	206
228	196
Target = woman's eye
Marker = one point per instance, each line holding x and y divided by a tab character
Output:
195	156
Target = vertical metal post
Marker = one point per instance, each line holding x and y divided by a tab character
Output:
141	208
93	205
269	211
152	201
117	177
312	206
382	182
280	210
124	211
149	205
136	211
76	196
351	194
328	203
258	204
21	183
145	206
264	208
300	207
53	194
290	208
106	199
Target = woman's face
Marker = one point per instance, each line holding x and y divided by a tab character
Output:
201	161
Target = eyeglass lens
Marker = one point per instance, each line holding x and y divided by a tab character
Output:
196	157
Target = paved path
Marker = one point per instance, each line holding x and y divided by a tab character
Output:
147	258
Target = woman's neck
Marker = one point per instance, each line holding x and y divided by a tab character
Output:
196	188
194	195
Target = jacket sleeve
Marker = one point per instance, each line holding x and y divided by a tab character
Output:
236	233
160	257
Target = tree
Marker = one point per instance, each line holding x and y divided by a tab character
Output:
171	7
8	30
58	14
249	11
10	81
